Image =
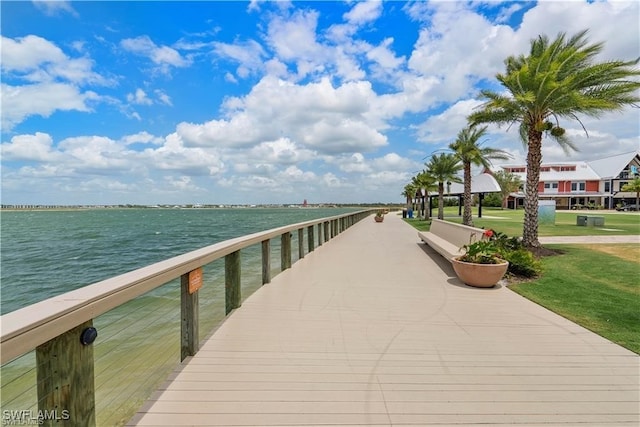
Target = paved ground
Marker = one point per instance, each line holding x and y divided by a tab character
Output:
589	239
374	329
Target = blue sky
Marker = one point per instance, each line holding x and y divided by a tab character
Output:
267	102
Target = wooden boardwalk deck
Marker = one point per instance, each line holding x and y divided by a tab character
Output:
373	328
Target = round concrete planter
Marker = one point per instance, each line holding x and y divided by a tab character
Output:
378	218
479	275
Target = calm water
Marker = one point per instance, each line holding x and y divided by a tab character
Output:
46	253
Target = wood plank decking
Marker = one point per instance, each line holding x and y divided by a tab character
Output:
373	328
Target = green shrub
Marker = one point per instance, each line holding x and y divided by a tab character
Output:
522	263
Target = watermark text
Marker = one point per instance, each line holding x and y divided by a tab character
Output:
32	417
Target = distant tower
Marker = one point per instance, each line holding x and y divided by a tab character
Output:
304	203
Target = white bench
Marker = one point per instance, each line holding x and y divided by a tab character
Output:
448	237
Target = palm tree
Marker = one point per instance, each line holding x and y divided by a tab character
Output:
508	183
633	186
557	80
443	168
409	192
469	151
423	181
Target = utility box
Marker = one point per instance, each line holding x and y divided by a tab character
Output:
595	221
590	221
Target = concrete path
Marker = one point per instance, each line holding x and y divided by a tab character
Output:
373	328
589	239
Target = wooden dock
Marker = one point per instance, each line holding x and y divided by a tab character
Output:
373	328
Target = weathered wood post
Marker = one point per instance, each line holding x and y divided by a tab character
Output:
189	309
310	239
285	251
300	243
266	261
65	377
232	294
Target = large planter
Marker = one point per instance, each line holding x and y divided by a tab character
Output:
378	218
479	275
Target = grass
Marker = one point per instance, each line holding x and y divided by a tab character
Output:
597	290
594	285
510	222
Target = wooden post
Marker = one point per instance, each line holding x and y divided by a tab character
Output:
189	340
232	295
310	239
285	251
65	376
300	243
266	261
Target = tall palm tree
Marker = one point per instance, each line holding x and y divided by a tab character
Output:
508	183
443	168
467	148
633	186
423	181
557	80
409	192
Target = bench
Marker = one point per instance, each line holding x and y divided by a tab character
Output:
448	237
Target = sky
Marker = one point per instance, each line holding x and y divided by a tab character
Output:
269	102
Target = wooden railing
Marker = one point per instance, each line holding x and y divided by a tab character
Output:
60	329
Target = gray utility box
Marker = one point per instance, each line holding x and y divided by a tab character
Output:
590	221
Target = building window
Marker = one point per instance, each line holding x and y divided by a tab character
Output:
578	186
622	184
550	187
607	186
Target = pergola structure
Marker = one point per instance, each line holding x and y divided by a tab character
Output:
480	184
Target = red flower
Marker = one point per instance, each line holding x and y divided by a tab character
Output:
488	233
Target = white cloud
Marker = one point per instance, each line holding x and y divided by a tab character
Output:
249	55
443	128
96	155
141	138
315	116
139	97
54	7
163	56
163	98
20	102
37	147
35	59
28	53
364	12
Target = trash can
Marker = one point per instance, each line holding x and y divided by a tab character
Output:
581	220
404	213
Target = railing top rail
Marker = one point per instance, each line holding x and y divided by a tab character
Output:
26	328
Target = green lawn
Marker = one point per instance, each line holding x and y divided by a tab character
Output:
510	222
593	289
597	290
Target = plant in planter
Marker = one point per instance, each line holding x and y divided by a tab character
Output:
482	264
379	216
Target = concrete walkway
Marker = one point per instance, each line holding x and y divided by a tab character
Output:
373	328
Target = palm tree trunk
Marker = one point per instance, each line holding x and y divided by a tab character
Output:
440	200
466	215
534	160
